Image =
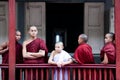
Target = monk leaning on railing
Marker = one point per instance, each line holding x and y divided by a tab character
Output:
60	58
108	53
83	54
35	53
4	51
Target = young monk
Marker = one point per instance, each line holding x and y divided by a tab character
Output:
60	58
4	51
34	51
83	55
108	54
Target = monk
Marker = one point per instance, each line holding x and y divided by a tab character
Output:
60	58
4	51
108	53
83	54
34	51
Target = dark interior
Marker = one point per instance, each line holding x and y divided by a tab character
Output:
67	20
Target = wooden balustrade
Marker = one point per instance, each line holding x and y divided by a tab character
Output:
74	71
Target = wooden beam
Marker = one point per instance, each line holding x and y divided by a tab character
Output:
117	33
12	28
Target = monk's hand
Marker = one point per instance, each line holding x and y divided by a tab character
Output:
59	64
63	64
104	62
7	48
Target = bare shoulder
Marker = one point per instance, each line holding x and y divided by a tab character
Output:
53	52
4	44
25	42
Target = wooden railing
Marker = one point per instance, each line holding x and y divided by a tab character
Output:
74	71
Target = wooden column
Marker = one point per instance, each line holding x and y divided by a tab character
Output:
12	28
117	32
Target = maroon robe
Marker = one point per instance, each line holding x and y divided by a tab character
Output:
5	75
5	57
19	57
19	60
109	49
35	46
83	54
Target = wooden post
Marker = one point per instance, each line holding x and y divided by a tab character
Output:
117	33
12	25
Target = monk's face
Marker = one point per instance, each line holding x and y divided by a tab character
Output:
80	40
18	35
58	48
108	38
33	31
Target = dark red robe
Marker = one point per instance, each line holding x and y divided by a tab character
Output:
5	59
19	60
19	57
35	46
109	49
83	54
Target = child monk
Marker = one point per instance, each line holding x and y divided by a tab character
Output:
60	58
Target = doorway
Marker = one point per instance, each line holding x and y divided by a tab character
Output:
65	20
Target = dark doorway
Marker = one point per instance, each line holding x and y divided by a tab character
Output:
66	20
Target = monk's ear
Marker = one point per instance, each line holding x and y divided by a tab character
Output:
63	47
28	31
37	31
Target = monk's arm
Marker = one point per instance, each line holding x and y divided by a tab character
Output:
2	49
105	61
41	53
25	53
50	60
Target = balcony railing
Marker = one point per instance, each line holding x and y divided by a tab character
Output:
74	71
